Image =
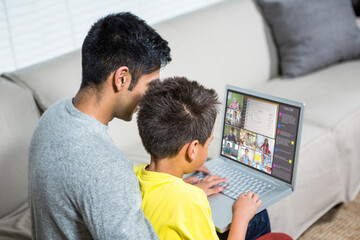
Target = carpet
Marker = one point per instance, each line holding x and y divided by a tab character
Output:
341	222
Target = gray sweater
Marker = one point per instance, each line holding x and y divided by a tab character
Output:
81	186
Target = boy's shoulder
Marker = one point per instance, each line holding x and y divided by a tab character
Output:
158	183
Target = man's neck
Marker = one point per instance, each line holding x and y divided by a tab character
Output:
90	102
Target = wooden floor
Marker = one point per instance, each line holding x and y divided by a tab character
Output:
342	222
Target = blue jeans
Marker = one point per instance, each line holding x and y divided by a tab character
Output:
258	226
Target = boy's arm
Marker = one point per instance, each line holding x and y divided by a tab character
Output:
207	184
244	210
198	223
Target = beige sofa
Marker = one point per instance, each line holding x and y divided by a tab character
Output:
227	43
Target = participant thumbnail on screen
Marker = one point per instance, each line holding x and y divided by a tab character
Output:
265	145
263	162
246	156
230	149
233	117
235	101
247	139
231	134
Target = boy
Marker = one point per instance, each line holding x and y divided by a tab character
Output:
176	123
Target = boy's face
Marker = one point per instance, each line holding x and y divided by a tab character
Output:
203	152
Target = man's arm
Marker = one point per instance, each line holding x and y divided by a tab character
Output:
111	206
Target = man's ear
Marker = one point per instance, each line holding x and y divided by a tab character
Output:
192	150
121	77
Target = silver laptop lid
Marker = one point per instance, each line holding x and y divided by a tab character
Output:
262	132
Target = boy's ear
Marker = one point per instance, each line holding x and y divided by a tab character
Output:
192	150
120	78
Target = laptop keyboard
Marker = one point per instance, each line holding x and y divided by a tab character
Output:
238	182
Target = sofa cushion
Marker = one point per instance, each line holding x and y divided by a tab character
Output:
312	34
51	80
19	116
16	225
330	94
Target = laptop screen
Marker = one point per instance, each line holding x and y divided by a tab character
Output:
261	134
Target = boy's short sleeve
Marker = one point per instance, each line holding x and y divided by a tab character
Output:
198	223
192	219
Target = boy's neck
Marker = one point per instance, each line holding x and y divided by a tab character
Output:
170	166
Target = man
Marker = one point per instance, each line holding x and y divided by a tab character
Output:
81	186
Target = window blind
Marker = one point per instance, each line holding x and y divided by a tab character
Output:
32	31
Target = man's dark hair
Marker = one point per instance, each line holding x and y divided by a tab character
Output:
121	39
173	113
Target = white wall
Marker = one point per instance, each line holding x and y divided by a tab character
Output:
32	31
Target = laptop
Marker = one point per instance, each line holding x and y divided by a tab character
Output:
259	150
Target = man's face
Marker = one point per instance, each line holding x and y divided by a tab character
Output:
129	100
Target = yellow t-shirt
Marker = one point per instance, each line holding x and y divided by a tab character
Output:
177	210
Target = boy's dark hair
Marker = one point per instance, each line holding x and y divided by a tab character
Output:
117	40
173	113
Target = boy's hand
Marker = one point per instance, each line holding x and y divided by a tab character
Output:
246	205
204	169
207	184
243	210
193	180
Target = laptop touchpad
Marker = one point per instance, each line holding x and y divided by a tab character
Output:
221	216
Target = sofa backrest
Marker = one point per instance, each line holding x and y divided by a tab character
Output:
51	80
18	118
227	43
